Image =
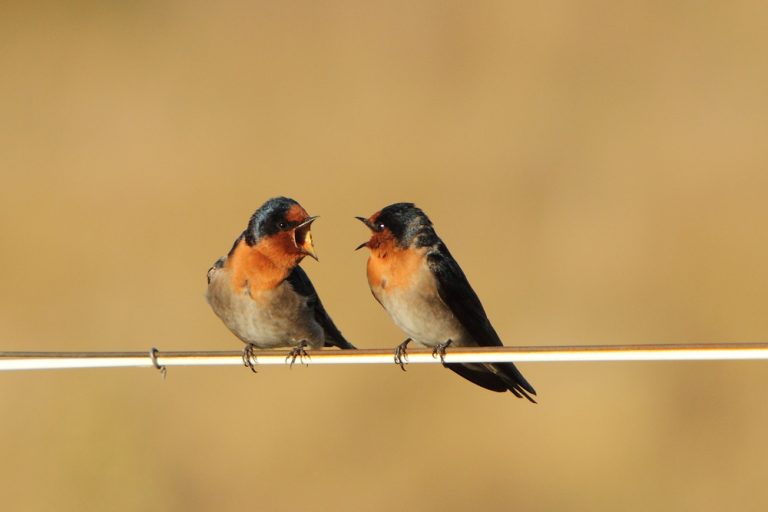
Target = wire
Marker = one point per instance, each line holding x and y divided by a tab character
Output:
157	359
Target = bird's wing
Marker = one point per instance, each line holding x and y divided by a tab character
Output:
461	299
303	286
456	292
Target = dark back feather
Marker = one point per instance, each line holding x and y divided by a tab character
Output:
456	292
303	286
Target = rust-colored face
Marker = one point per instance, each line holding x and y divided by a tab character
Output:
287	237
296	214
381	236
266	263
390	265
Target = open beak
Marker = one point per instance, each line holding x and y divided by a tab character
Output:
302	236
369	225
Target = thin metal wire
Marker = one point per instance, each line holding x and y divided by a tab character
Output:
155	358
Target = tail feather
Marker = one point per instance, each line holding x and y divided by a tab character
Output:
497	377
511	372
482	378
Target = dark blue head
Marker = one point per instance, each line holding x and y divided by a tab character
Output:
404	223
281	217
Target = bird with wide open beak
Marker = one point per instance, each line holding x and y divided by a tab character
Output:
302	237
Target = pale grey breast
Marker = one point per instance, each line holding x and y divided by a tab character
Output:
417	309
279	317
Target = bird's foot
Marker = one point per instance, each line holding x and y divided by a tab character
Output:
439	350
298	352
401	355
249	357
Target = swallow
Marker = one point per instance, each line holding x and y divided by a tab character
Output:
414	277
262	294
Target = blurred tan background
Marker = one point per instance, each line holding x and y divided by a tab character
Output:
599	169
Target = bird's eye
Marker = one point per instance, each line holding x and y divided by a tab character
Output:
282	225
381	226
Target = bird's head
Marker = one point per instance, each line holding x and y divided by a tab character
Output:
282	226
401	224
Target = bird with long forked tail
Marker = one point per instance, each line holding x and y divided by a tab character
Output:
413	275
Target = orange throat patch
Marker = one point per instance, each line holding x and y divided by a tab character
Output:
261	267
391	267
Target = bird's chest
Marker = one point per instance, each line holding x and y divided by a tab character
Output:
267	317
395	271
407	289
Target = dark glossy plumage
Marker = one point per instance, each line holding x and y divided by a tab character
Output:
303	286
456	292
